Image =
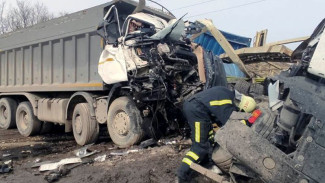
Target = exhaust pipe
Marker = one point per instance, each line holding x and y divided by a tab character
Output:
140	7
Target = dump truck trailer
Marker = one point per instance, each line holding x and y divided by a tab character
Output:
54	73
49	73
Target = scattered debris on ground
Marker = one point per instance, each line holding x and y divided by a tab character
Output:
110	164
6	166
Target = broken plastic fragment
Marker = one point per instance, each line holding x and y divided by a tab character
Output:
100	158
6	155
273	91
37	160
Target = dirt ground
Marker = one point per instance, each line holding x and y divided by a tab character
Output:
153	164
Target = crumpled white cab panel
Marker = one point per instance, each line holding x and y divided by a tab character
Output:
112	66
133	61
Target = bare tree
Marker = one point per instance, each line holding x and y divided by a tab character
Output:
20	16
2	19
40	13
23	15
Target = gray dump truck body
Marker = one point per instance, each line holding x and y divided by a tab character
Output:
49	75
58	55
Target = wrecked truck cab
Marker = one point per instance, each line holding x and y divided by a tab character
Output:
142	23
55	73
120	43
156	69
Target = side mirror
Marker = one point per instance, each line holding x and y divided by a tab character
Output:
109	28
100	30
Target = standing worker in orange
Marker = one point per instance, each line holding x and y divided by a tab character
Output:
206	109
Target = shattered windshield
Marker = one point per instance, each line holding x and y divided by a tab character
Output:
174	30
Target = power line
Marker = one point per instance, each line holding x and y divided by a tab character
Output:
224	9
193	5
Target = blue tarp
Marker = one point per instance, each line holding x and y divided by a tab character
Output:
232	70
208	42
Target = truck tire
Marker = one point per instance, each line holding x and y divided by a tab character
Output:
222	158
124	122
8	109
27	123
85	129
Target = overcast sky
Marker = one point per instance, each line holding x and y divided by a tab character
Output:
284	19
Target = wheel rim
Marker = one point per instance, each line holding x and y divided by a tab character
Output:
23	120
121	123
78	124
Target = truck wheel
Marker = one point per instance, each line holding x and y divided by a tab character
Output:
8	109
27	122
124	122
85	129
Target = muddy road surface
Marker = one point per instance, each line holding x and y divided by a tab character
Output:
137	165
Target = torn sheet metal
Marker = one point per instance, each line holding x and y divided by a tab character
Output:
38	164
6	155
124	152
274	92
54	166
83	152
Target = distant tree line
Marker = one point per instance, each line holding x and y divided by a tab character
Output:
23	14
